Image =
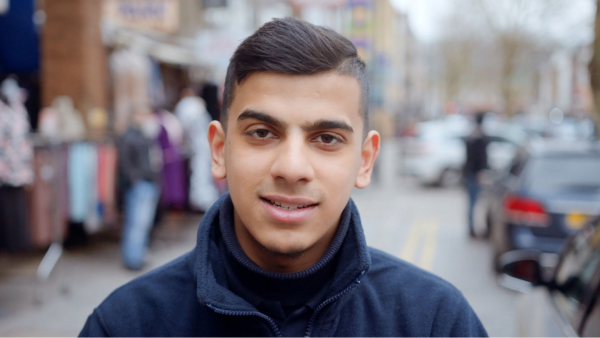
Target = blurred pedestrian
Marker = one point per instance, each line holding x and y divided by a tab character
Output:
191	111
173	179
477	161
139	164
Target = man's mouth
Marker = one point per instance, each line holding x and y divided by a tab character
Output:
285	206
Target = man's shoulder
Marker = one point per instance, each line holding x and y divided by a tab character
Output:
396	275
162	302
167	292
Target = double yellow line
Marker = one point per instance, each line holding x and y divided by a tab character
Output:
423	236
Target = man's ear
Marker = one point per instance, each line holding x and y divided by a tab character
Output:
216	141
368	155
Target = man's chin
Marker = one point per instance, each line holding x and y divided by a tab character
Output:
291	253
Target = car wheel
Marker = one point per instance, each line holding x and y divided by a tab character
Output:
450	177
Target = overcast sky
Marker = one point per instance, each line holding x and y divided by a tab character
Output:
424	16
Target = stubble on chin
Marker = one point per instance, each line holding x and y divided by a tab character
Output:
277	254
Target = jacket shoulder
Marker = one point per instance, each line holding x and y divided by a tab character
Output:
427	304
150	303
402	280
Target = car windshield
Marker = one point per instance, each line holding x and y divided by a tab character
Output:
574	173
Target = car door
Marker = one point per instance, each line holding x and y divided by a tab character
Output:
569	304
576	282
591	324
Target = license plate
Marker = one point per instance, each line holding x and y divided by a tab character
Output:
575	220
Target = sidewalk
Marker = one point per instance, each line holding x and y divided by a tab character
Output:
88	273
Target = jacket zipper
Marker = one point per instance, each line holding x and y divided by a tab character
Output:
248	313
329	301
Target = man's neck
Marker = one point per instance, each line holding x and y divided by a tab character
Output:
276	262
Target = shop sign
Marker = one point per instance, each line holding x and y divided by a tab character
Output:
161	15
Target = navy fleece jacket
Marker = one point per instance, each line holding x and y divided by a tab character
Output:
371	294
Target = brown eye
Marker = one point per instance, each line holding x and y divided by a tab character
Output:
327	139
262	133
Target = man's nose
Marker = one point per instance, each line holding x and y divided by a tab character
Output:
293	163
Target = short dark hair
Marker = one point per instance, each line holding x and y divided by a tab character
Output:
295	47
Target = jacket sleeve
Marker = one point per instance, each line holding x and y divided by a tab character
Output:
93	327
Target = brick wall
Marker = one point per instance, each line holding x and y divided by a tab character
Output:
73	56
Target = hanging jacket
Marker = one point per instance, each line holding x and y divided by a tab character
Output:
371	294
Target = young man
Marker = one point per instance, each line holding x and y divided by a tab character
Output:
284	254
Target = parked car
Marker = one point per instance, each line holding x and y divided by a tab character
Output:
546	195
436	153
567	301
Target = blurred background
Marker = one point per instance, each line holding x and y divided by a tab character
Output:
77	75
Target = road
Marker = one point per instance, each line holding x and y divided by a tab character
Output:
425	226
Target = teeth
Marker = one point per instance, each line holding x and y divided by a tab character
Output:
288	207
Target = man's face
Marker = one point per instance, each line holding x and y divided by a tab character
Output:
292	154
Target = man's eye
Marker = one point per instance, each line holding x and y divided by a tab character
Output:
261	133
327	139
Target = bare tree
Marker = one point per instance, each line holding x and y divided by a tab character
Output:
594	66
519	33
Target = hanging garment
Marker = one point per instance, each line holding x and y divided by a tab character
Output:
16	170
16	152
14	235
174	191
46	201
193	115
82	175
71	124
93	219
107	175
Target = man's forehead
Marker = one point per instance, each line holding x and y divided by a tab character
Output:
320	96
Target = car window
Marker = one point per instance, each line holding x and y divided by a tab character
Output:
591	327
568	174
576	278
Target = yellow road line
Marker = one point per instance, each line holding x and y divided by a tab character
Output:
429	246
411	243
425	232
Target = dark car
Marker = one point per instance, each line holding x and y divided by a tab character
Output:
547	194
567	302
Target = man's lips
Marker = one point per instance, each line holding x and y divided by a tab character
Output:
288	209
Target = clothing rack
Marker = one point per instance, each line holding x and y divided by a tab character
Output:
49	174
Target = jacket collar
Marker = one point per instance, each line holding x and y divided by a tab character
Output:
211	284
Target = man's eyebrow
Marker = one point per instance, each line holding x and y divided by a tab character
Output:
266	118
327	124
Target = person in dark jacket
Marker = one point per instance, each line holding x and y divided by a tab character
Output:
477	161
139	166
284	253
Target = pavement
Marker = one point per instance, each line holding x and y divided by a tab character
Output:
425	226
